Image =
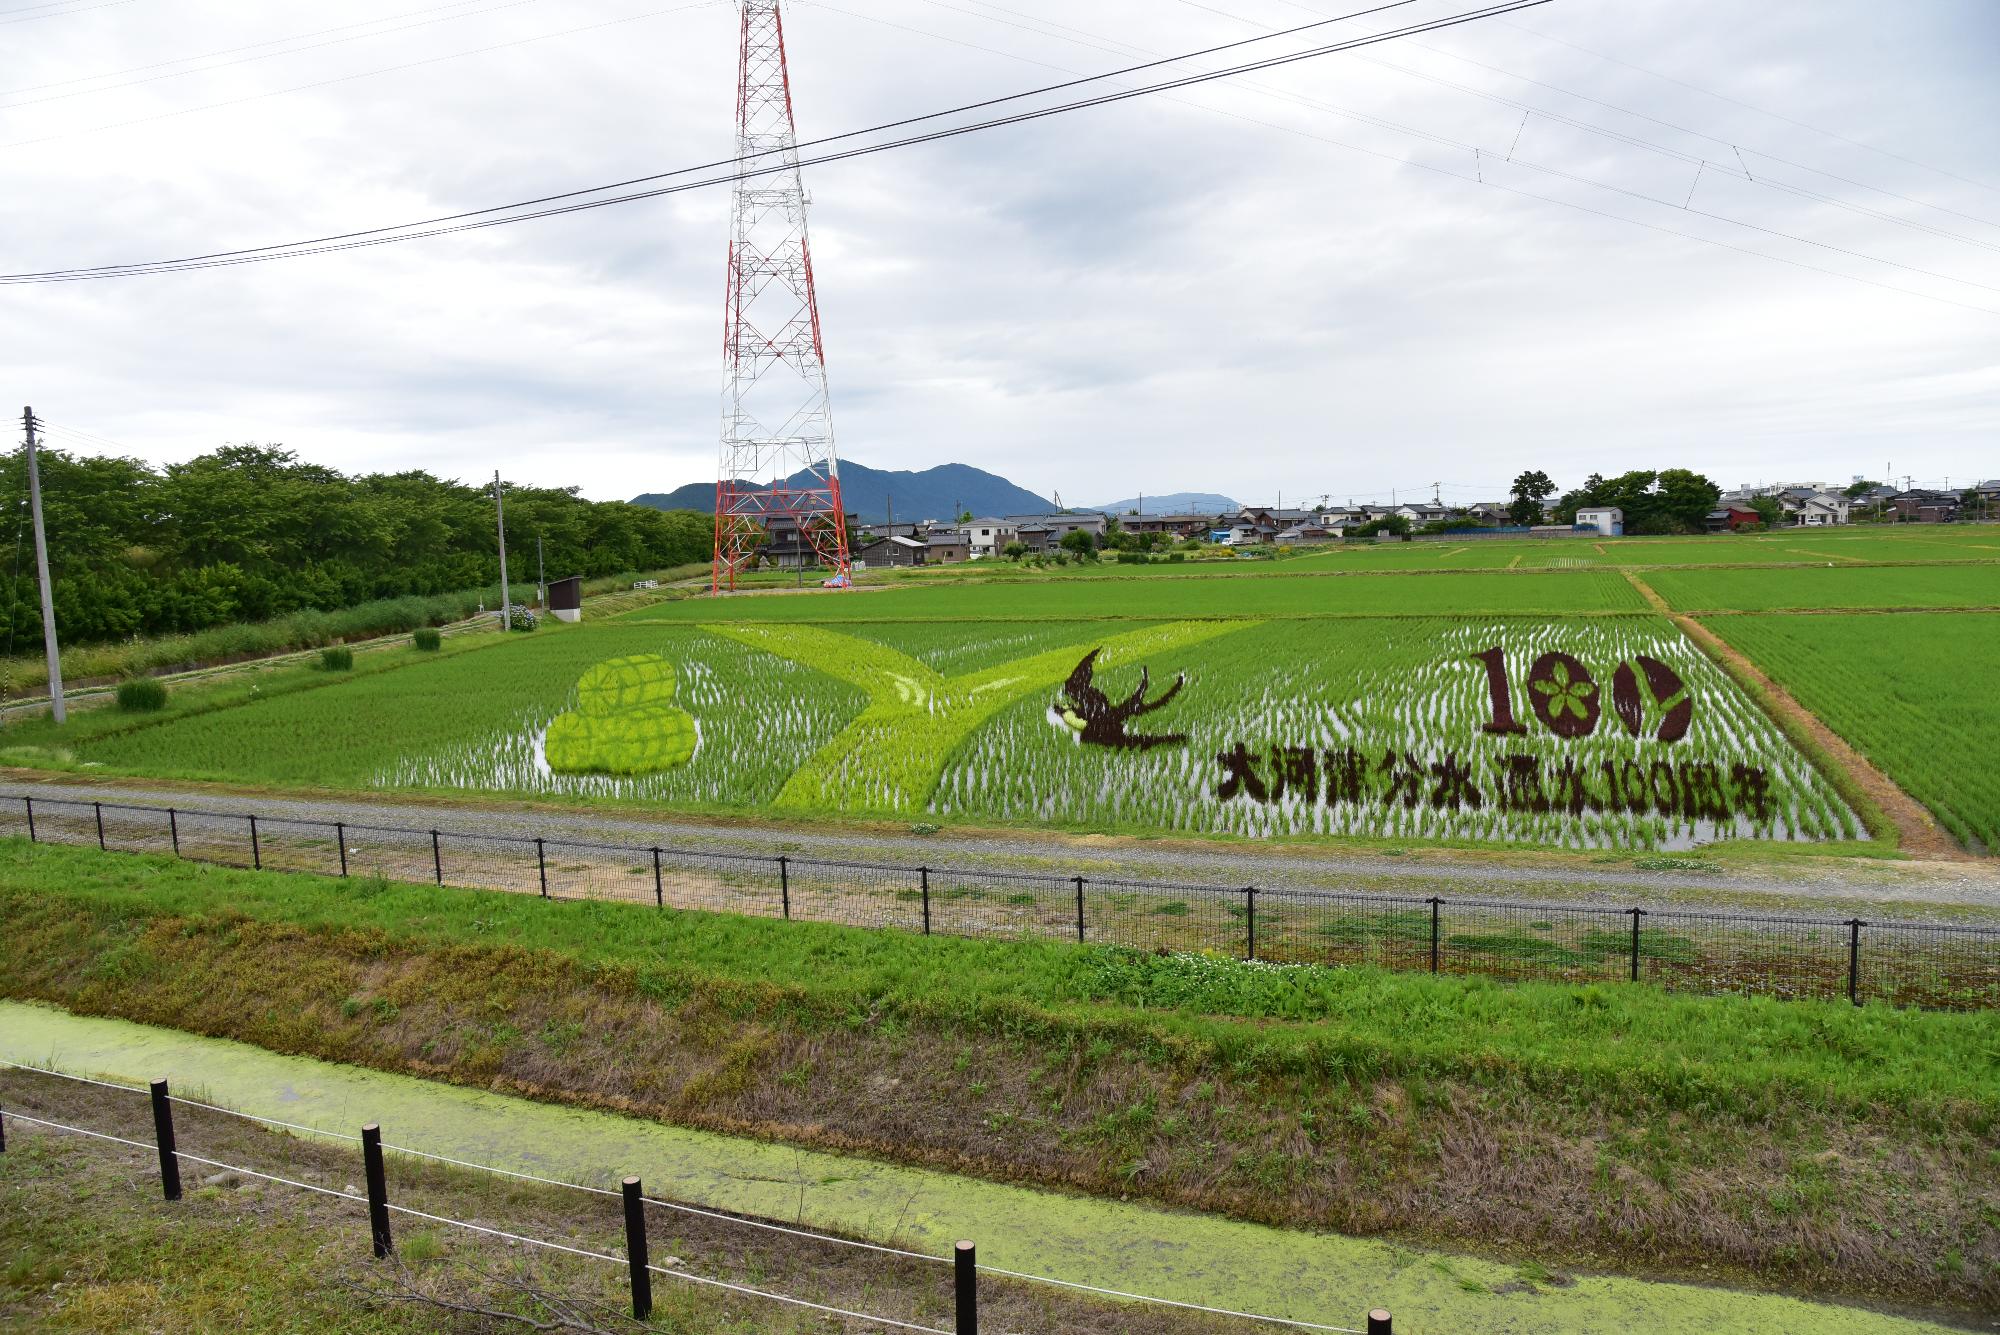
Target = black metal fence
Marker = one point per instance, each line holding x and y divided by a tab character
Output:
1903	963
907	1272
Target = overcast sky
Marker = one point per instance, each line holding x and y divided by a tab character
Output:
1293	284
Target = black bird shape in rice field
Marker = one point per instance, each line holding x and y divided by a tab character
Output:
1090	712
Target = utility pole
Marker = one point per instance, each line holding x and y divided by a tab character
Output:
500	517
56	709
541	576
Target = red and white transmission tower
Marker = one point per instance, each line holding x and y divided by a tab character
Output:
778	459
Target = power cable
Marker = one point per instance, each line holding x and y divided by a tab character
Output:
1479	177
268	55
1724	97
378	233
232	50
65	13
359	74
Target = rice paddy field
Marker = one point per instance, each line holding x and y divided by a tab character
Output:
1385	693
1914	693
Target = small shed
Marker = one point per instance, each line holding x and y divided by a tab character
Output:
566	598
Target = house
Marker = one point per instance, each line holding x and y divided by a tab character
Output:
895	550
1820	511
1304	533
1731	517
1043	533
946	547
1608	520
1925	507
1493	514
1174	526
788	548
1269	519
1236	535
988	537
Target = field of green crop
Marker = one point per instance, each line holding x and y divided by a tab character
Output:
1829	586
1916	693
1378	728
1161	599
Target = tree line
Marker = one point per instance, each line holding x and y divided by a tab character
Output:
249	532
1670	500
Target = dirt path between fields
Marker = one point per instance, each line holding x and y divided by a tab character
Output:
1917	831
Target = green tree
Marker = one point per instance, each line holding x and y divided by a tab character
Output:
1080	544
1530	490
1768	510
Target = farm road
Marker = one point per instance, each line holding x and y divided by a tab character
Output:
1962	889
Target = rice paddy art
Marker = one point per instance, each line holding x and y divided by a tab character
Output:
625	721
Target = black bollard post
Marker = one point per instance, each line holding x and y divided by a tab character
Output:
965	1277
163	1136
378	1189
1378	1322
635	1250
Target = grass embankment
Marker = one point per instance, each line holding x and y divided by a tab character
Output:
88	1246
1817	1147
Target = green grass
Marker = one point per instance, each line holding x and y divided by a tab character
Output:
1164	598
1918	694
1623	1045
1838	586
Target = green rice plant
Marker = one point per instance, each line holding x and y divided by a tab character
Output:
142	695
1913	693
336	658
625	721
1838	584
889	758
1378	729
427	639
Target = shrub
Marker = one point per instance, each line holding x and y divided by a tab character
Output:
427	639
142	695
337	658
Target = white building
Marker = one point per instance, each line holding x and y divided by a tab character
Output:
988	537
1606	519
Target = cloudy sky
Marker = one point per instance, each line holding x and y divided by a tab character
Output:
1760	240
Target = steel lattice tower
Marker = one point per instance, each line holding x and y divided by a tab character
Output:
777	424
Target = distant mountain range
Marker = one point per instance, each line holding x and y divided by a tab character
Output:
1179	503
940	493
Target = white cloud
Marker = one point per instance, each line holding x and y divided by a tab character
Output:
1208	292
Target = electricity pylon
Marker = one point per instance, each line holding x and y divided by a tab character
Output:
778	458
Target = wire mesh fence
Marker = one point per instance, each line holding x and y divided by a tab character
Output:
1903	963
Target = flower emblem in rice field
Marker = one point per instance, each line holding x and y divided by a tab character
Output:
1566	694
625	721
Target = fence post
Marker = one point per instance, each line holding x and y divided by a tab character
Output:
3	1133
542	867
965	1285
1250	917
785	883
659	886
99	808
1378	1322
340	831
437	858
174	829
924	881
256	849
635	1250
163	1136
378	1189
1854	926
1636	915
1079	910
1436	904
31	818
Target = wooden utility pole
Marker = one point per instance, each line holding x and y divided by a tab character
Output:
500	517
56	709
541	575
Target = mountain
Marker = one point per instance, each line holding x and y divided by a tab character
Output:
1180	503
936	493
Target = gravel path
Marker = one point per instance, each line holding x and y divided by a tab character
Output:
1841	887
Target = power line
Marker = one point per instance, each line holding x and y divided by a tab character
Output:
437	226
359	74
1479	177
267	55
1724	97
62	13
